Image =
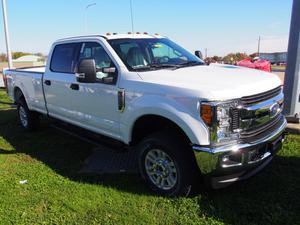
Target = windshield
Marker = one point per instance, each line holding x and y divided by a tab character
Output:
153	53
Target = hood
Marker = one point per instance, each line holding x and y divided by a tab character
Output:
215	82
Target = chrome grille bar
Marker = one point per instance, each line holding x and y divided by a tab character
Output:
254	99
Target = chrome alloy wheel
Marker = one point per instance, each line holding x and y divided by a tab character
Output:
161	169
23	116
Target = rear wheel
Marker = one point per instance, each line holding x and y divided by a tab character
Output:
166	165
27	119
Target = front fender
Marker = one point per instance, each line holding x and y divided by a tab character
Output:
171	108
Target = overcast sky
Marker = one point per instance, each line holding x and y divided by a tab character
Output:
221	26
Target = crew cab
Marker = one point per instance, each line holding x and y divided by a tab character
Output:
189	123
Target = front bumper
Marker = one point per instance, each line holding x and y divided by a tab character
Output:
221	166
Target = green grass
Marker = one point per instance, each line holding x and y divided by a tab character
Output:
57	194
274	67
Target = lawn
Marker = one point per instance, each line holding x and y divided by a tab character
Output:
57	194
278	68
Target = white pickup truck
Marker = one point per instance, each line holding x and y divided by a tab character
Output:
188	122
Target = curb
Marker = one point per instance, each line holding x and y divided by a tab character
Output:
293	128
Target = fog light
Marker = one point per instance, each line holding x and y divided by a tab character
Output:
231	160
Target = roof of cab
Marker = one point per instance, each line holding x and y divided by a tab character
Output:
112	36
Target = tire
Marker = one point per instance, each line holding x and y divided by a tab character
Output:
28	120
167	165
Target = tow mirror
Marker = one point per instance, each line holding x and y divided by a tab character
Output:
199	54
86	71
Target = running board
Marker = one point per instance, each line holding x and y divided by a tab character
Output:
101	142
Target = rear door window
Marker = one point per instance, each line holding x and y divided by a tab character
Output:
64	58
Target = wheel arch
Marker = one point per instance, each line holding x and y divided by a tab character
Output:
18	94
151	123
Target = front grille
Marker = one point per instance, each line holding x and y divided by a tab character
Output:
257	133
254	99
235	119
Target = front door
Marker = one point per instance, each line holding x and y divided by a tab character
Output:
96	104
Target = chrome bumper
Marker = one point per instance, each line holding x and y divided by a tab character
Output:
220	166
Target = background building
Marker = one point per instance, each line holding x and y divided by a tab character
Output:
274	58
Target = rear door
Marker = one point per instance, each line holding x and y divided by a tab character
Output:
58	80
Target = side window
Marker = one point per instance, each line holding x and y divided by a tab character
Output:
64	58
92	50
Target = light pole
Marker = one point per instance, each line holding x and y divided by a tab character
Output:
9	57
131	16
85	15
292	73
258	47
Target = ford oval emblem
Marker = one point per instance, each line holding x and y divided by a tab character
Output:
274	109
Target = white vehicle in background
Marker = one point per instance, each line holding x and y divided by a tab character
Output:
188	122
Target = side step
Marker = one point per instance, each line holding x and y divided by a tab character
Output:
108	157
100	141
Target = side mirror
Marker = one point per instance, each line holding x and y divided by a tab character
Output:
86	71
199	54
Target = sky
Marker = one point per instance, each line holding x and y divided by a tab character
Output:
221	26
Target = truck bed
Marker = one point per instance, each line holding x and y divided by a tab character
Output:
30	82
38	69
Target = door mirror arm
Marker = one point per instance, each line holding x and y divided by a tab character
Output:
108	70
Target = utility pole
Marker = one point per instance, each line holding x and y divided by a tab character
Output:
292	74
258	47
131	16
8	51
85	15
206	53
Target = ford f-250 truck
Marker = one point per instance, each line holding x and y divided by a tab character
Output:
188	122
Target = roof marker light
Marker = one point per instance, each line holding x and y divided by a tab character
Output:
108	33
115	33
129	33
138	32
145	32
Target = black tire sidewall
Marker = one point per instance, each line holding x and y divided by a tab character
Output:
31	120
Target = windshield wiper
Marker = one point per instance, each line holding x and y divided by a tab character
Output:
138	68
154	67
157	65
190	63
165	65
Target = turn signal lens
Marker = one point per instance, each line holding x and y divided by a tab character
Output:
207	114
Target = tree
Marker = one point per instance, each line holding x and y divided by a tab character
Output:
233	58
3	57
16	55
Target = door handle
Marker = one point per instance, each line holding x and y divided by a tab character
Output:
74	87
47	82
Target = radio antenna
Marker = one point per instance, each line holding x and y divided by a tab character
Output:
131	13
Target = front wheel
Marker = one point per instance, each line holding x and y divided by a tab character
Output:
166	165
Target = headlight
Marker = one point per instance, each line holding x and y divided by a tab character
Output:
217	117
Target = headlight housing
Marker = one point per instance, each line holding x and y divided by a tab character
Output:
218	118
